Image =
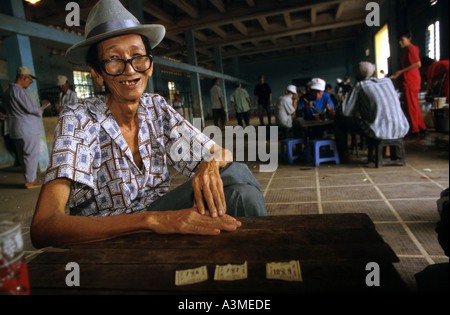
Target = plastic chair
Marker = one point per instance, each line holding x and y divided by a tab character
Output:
314	151
287	149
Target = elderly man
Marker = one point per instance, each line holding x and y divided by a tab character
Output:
111	154
372	109
66	96
24	124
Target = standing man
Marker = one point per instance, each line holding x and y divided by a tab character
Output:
263	99
24	124
217	104
66	96
242	99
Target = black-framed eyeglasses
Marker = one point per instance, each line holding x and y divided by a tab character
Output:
115	67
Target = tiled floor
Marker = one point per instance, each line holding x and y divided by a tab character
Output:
401	200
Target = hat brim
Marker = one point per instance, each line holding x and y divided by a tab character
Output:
78	52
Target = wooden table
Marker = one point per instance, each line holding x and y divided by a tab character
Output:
333	250
315	128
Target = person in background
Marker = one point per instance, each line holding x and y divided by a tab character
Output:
241	98
410	82
24	124
317	101
66	96
329	91
286	107
436	74
217	104
263	99
178	103
372	109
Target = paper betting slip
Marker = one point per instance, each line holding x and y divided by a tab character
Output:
231	272
190	276
287	271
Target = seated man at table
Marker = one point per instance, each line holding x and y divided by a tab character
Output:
372	109
315	101
285	107
110	155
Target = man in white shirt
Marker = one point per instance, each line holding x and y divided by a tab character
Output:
217	104
286	107
66	96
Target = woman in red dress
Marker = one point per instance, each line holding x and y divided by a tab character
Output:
410	82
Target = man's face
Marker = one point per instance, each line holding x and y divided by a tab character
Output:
64	87
317	95
25	81
130	85
261	80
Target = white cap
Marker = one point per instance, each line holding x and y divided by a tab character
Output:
25	71
318	84
292	88
62	79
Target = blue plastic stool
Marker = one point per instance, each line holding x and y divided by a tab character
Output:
287	152
313	151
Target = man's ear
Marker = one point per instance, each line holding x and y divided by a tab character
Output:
97	77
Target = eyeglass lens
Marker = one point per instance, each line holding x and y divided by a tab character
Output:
117	67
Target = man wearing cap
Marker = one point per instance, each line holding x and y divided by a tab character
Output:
286	106
241	98
66	96
372	108
24	124
316	101
110	155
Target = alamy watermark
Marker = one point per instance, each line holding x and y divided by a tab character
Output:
373	17
252	144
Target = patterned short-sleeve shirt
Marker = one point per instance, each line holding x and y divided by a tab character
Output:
90	150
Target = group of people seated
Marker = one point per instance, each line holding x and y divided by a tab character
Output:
371	108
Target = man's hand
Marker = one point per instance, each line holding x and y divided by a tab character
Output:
190	221
208	186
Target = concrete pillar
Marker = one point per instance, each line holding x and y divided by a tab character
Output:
135	7
236	67
197	103
219	68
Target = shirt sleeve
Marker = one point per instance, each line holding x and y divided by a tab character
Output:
72	153
25	101
350	102
413	55
329	101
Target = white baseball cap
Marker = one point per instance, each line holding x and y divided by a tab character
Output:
62	79
292	88
25	71
318	84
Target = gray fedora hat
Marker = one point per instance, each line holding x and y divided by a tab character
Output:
109	18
